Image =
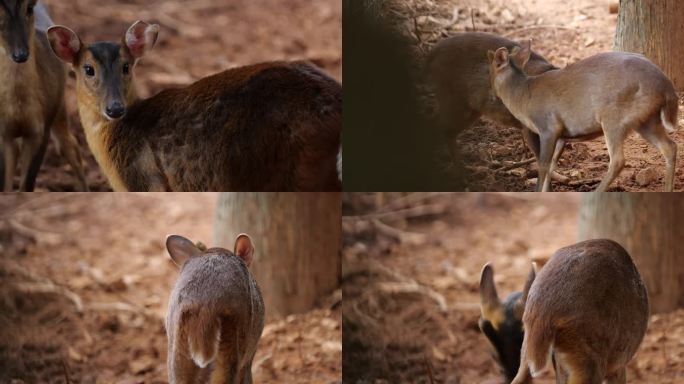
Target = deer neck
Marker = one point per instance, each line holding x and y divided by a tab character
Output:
99	131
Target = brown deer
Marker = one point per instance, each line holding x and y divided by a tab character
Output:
31	96
587	308
265	127
216	313
610	93
458	69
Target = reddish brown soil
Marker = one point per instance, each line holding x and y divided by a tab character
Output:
197	38
395	331
564	32
107	249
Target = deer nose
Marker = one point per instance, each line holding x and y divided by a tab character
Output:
20	55
115	110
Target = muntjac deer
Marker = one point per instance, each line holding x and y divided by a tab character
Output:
610	93
459	71
587	308
31	96
264	127
216	313
501	321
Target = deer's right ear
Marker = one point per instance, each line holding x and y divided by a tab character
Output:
244	248
64	43
490	305
501	57
181	249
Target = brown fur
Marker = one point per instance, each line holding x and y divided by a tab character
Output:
31	104
459	70
609	93
265	127
215	316
589	306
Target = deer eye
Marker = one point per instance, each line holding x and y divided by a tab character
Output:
89	70
126	69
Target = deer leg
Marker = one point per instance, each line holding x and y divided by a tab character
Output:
615	139
33	149
656	135
523	376
548	148
67	146
10	157
618	377
560	146
531	139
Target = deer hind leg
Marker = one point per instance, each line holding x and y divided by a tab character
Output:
532	141
9	150
33	148
617	377
615	140
67	146
581	368
655	134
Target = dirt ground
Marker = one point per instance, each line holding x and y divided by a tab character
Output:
197	38
84	285
564	32
411	269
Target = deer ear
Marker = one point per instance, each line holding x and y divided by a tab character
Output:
522	54
519	308
64	43
244	248
488	295
140	38
501	57
181	249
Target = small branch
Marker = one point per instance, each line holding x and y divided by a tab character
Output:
402	237
417	211
517	164
538	27
50	287
414	287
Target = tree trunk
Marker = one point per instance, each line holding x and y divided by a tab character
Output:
655	29
650	226
297	244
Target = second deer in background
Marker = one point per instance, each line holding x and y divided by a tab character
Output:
265	127
31	96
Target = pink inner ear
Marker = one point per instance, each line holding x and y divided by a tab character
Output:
136	42
65	48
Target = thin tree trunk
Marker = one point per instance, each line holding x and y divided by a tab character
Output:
297	244
654	28
651	227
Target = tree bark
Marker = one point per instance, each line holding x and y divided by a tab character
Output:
650	226
655	29
297	238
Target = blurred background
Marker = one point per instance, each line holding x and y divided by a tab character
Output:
412	263
85	280
197	38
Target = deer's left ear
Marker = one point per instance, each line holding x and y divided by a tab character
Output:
244	248
140	38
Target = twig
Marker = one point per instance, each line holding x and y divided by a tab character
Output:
402	237
508	34
417	211
517	164
123	307
414	287
579	183
50	287
409	200
472	19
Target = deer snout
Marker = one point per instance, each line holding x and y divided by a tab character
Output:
20	55
115	109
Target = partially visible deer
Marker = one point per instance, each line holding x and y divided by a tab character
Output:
265	127
31	96
458	69
588	309
610	93
216	313
501	321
